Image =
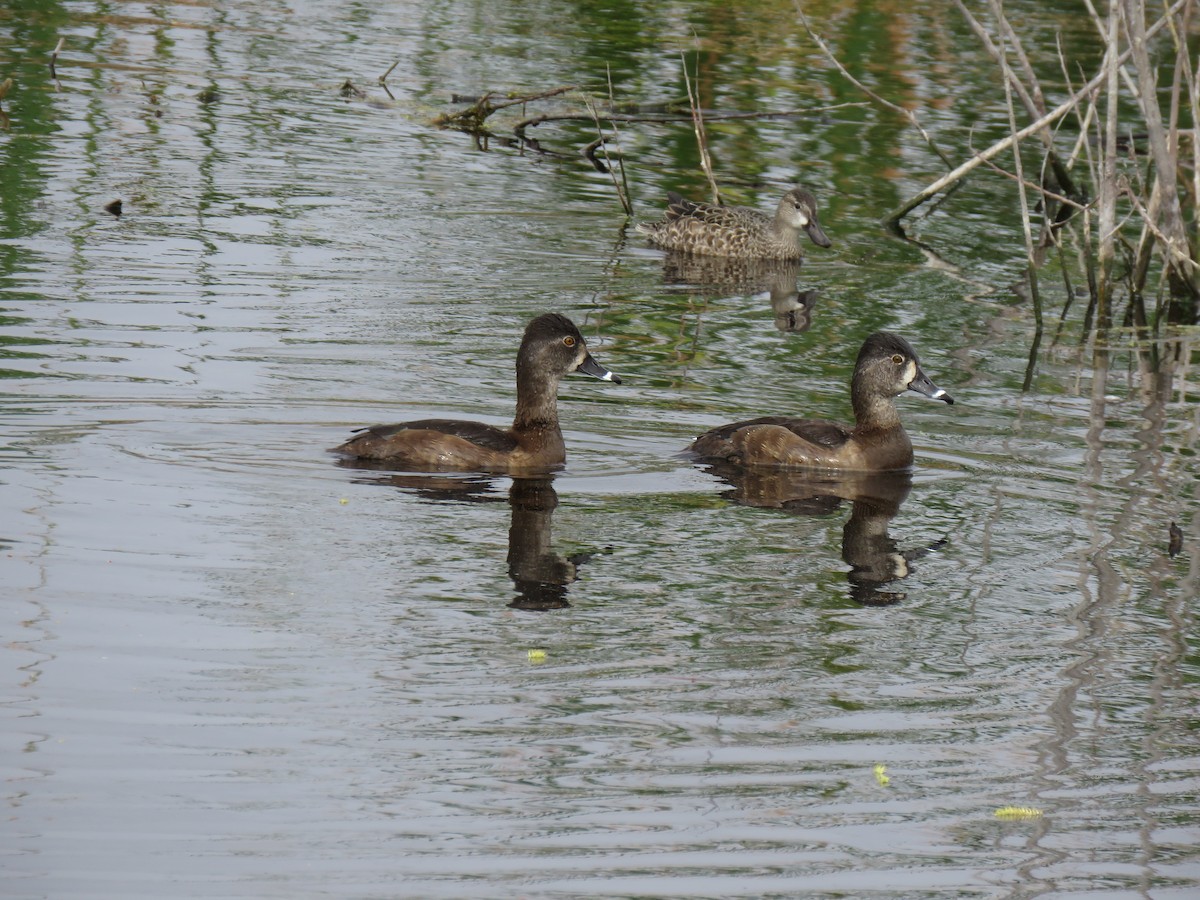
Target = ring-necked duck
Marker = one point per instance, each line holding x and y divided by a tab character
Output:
887	366
737	230
551	348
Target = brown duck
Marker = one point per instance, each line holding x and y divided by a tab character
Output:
551	348
887	366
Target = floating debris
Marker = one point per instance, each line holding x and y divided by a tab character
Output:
1175	544
115	208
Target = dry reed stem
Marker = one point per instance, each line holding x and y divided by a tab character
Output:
701	136
1031	98
1174	237
622	192
623	188
1106	186
1130	84
1026	224
1000	146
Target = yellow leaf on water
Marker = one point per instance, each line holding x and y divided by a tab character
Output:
1018	812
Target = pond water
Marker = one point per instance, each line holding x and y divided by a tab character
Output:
234	668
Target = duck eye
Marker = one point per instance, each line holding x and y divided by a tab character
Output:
897	358
569	341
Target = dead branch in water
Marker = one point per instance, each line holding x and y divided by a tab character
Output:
472	118
602	114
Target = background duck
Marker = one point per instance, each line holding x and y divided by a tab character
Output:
551	348
887	366
738	231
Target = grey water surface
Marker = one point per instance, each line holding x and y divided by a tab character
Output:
235	668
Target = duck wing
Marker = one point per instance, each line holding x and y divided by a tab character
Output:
823	434
680	207
478	433
758	441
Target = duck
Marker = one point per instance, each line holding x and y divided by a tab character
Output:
738	231
886	367
551	348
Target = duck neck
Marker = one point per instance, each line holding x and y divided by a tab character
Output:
787	235
537	402
871	411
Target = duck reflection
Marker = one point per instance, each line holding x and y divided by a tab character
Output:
874	557
541	576
775	277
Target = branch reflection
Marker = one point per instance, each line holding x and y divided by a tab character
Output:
874	557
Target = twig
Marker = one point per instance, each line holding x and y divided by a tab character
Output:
1099	24
1178	257
701	137
384	77
1044	191
472	118
603	146
54	58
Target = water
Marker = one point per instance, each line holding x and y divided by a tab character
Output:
234	668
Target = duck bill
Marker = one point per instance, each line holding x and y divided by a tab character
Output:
816	234
589	366
922	385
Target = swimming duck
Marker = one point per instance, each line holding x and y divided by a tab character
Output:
887	366
738	231
552	347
